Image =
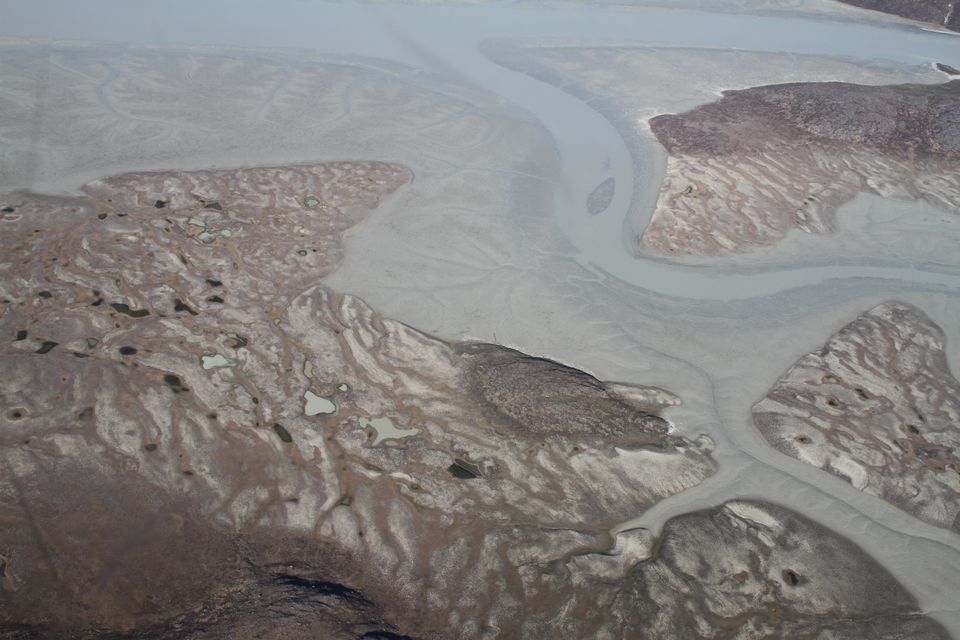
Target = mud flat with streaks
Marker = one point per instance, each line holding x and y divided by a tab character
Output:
878	406
199	107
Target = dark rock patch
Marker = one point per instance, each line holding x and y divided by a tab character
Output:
282	433
463	470
125	309
47	346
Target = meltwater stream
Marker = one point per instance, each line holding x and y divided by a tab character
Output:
446	40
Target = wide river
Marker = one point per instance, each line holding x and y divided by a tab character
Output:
446	38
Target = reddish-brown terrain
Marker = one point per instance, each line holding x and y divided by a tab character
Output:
745	170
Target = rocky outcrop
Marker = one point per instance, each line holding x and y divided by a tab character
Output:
755	570
744	569
199	440
878	406
130	469
947	69
745	170
942	13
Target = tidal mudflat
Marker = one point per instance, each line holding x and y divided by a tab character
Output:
359	340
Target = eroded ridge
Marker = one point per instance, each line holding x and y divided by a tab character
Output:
183	400
879	407
745	170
